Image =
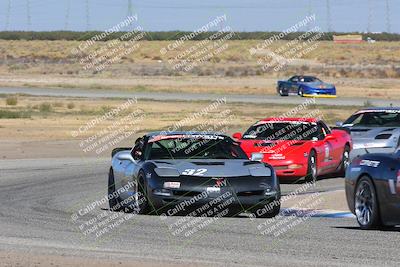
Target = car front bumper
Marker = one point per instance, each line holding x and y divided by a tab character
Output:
178	203
317	92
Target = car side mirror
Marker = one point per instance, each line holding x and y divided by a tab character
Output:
339	123
125	156
237	135
257	156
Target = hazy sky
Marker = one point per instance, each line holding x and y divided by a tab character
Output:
161	15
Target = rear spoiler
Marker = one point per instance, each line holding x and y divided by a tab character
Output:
118	149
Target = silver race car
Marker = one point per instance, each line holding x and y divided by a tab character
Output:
374	130
196	172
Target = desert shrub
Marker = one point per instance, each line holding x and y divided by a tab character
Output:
8	114
58	104
12	101
45	107
71	105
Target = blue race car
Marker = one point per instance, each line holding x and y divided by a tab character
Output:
306	86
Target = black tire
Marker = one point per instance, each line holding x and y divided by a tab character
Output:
366	205
260	212
312	170
113	202
301	92
142	203
345	162
281	91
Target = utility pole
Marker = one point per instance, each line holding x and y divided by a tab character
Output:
87	16
130	14
309	14
388	23
67	11
328	16
7	15
28	14
369	16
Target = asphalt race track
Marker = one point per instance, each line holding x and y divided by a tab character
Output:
39	196
255	99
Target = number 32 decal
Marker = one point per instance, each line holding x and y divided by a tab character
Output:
198	172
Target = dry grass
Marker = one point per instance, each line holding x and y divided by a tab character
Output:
370	70
58	122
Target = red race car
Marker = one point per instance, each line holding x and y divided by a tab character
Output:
298	147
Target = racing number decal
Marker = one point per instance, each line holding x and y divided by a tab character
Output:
198	172
327	148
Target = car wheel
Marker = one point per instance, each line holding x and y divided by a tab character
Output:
312	171
141	200
113	201
281	91
301	92
345	163
366	204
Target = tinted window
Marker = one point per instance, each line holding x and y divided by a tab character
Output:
207	147
375	119
309	79
284	131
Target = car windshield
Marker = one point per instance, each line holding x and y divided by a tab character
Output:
283	131
375	119
309	79
194	147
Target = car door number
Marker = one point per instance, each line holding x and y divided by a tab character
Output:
195	172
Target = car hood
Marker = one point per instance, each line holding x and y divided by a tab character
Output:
273	148
213	167
364	137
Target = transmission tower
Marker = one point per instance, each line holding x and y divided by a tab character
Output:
7	15
369	16
28	13
130	8
87	16
67	11
328	16
309	11
388	24
130	14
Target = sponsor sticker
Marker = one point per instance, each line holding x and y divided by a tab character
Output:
213	189
370	163
277	156
172	185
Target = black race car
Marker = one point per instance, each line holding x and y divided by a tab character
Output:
204	173
373	189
